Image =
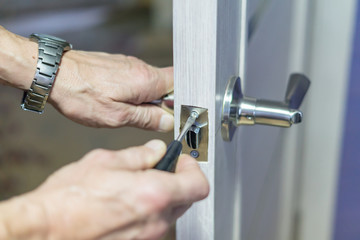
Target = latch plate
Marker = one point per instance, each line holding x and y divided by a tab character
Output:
201	152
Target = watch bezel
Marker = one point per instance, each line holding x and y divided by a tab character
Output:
39	36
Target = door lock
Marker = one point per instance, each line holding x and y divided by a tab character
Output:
242	110
193	137
197	137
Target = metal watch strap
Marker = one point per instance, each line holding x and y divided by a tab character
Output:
49	59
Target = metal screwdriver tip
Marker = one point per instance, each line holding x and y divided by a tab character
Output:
190	121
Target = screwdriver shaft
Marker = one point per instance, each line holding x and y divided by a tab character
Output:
168	162
190	121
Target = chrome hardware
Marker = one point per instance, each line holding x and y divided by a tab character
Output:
241	110
197	138
193	137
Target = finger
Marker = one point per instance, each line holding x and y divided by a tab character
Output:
151	85
138	158
160	83
167	76
150	117
192	184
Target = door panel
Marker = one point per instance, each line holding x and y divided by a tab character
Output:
244	174
268	183
266	77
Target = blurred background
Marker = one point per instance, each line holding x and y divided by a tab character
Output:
34	146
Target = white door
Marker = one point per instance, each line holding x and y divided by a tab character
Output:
211	44
252	178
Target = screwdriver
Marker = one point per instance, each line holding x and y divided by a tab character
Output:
168	162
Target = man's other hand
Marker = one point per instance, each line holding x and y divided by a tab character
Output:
117	195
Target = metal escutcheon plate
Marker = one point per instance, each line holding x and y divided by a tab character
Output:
232	96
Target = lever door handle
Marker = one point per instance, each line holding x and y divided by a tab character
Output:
242	110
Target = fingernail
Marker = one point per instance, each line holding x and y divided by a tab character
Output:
166	123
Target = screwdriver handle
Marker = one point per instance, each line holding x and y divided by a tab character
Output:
168	162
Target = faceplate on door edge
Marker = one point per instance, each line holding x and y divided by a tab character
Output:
201	153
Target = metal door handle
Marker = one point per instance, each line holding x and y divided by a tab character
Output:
242	110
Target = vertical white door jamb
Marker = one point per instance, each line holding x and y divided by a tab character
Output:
206	55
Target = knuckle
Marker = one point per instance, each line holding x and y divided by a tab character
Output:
133	59
145	79
142	69
127	156
145	73
114	122
203	188
134	157
123	116
142	118
99	154
113	119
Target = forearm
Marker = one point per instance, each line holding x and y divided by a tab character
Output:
22	218
18	56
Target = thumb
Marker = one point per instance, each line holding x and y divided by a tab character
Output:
192	183
141	157
187	164
151	117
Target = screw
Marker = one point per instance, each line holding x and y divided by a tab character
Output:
249	118
194	154
194	114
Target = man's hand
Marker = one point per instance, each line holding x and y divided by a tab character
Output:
116	195
107	90
92	88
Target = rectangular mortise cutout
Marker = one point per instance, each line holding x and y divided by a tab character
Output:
201	121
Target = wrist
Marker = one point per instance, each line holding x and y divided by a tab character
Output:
18	57
22	218
67	78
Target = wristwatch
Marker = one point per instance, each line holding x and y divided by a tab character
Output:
51	50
